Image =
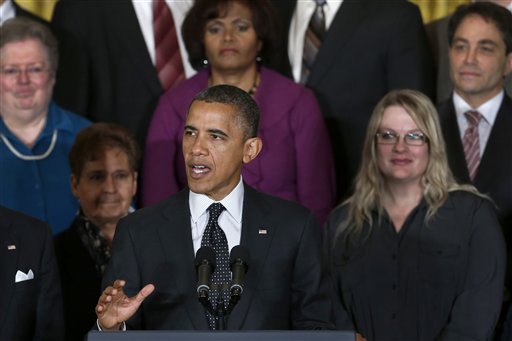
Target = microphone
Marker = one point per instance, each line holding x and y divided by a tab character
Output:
238	259
205	265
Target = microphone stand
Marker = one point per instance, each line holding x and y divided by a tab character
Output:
221	312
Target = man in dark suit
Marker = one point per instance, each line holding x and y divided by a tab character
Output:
480	54
107	60
30	296
370	48
153	250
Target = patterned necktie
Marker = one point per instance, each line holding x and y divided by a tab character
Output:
214	236
471	142
167	51
313	39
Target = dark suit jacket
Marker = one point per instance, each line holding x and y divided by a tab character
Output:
30	309
371	47
78	275
105	71
494	176
285	286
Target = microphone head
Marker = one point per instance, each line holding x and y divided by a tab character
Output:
239	253
205	253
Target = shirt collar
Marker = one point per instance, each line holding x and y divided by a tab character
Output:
7	11
489	110
233	203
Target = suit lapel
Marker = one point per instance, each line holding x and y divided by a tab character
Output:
126	30
493	153
257	234
176	237
347	19
454	148
8	264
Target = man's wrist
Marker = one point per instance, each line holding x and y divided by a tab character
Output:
121	326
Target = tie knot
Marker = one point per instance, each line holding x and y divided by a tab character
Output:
215	210
320	3
473	117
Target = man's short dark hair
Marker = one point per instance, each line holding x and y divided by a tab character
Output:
247	113
499	15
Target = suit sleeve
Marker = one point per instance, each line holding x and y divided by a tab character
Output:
342	318
50	318
316	184
311	307
477	306
69	23
409	59
125	265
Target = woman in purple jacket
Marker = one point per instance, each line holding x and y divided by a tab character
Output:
225	41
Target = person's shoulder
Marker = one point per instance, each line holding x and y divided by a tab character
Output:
460	199
67	119
283	87
24	226
275	206
183	93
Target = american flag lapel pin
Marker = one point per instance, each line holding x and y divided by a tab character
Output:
263	231
11	247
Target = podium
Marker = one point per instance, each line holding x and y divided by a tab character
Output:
278	335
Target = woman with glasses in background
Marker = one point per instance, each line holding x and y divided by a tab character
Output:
35	134
413	255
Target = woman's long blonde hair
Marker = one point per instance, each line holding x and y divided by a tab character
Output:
437	181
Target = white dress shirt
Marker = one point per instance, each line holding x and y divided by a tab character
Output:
488	110
230	220
299	25
179	9
6	11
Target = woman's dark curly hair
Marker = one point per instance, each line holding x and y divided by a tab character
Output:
264	19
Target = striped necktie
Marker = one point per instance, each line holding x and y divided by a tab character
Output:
313	39
471	142
169	65
215	237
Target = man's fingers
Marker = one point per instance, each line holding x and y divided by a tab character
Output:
144	292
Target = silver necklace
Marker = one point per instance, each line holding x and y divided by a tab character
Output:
31	157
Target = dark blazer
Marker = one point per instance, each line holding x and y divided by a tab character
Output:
105	71
371	47
285	286
30	309
494	176
78	275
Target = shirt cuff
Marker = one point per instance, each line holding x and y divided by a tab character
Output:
122	327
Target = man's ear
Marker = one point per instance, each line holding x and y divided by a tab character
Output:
508	68
252	148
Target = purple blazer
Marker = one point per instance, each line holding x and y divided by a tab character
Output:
296	160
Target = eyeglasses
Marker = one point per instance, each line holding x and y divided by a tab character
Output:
34	72
391	137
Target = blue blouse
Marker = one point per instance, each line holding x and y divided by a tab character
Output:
42	188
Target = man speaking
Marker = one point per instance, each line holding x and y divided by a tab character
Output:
152	274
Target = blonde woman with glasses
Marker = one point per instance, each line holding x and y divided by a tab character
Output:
412	254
